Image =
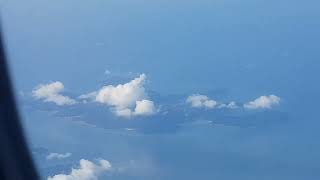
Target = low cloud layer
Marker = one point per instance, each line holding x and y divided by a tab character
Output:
263	102
52	156
126	100
201	101
86	171
131	99
52	93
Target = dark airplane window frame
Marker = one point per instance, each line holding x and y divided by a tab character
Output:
15	158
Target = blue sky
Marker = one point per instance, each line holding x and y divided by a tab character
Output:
221	51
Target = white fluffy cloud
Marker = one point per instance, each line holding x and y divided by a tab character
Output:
51	93
144	107
263	102
123	95
201	101
58	156
87	171
127	100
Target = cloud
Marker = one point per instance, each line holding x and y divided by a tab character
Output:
201	101
126	100
87	171
123	112
231	105
123	95
90	96
51	93
263	102
58	156
144	107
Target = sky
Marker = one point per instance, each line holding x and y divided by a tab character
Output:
170	89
